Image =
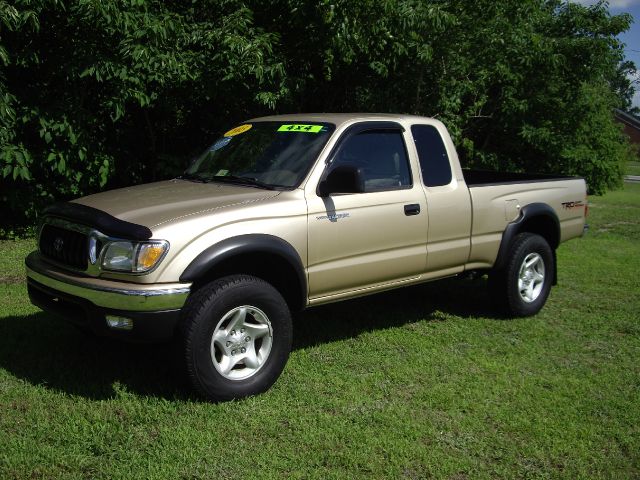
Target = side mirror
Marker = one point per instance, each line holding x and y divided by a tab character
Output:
342	179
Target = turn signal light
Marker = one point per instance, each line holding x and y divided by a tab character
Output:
149	255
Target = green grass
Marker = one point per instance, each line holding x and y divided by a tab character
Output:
12	255
633	168
418	383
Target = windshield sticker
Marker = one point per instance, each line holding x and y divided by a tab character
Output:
238	130
301	128
223	142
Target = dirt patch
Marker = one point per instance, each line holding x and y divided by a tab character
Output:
12	279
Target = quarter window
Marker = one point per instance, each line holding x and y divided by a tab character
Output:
434	161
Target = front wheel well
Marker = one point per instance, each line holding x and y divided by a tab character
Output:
269	267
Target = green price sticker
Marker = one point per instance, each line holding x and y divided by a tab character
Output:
300	128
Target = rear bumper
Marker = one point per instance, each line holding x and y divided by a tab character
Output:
153	310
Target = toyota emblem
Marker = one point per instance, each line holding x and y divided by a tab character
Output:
58	243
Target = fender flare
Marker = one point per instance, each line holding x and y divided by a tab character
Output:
527	213
246	244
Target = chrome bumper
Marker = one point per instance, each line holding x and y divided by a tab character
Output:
106	293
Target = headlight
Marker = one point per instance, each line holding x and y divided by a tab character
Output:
134	257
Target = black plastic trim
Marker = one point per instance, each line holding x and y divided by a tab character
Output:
360	127
487	178
100	220
527	213
245	244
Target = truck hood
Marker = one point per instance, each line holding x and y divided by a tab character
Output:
153	204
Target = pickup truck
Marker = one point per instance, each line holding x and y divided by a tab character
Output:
287	212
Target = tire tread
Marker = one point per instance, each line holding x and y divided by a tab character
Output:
193	311
507	299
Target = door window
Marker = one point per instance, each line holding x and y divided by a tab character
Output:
380	155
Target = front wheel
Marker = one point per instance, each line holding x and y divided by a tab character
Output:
236	336
522	287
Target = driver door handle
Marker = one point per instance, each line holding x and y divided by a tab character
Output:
412	209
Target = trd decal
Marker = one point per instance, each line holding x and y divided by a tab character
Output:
570	205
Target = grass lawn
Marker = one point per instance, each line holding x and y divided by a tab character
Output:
418	383
633	168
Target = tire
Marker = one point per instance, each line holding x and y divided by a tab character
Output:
522	287
236	334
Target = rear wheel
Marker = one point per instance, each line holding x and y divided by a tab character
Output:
522	287
236	337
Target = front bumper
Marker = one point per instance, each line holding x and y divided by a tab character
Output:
153	309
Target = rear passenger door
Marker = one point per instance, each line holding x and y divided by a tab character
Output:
448	200
364	240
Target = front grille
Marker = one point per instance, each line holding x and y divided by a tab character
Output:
64	246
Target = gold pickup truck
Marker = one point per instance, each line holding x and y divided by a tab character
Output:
286	212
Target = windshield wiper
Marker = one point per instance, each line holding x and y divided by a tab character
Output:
193	177
251	182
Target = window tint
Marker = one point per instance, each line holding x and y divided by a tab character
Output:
273	153
381	155
434	161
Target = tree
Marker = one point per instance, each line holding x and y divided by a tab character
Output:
523	85
102	94
96	95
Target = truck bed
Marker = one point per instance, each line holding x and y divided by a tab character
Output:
493	208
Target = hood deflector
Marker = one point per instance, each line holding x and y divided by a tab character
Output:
102	221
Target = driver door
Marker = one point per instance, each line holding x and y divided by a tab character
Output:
368	240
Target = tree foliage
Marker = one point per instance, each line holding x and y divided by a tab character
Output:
97	94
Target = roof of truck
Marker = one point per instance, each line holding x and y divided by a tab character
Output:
336	118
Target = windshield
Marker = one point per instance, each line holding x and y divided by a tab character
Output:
262	154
